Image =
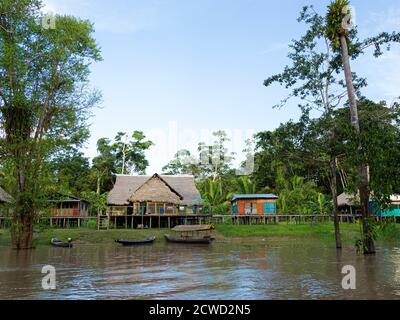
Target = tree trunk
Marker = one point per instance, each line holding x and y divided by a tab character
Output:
22	231
333	184
23	217
98	184
368	243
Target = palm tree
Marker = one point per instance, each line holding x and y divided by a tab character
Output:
246	186
213	192
338	33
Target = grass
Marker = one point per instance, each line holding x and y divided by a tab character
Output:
321	231
86	235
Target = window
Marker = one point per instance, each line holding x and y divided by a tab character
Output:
250	208
269	207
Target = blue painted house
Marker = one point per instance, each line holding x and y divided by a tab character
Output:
392	211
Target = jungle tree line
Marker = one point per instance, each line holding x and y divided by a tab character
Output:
46	99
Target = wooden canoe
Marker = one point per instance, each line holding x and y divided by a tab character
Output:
63	244
202	240
136	242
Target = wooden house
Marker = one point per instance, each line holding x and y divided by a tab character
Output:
253	204
153	196
69	207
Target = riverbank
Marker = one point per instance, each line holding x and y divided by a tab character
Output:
321	232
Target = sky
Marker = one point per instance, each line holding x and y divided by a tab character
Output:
180	69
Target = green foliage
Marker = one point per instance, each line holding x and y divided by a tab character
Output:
334	19
389	231
183	163
301	197
90	224
121	156
213	192
97	202
130	154
246	186
45	100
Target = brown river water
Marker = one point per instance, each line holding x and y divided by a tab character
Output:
232	270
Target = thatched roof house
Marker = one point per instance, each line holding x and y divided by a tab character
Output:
4	196
156	191
347	199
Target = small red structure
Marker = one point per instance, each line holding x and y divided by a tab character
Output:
254	204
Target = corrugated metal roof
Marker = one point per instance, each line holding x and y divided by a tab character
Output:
254	196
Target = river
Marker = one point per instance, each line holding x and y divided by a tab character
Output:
226	270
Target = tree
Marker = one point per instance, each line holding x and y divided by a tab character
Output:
213	193
246	186
71	173
44	99
314	79
300	197
183	163
337	31
380	143
119	156
130	154
104	166
215	160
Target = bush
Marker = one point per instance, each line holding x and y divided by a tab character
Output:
91	224
223	208
389	231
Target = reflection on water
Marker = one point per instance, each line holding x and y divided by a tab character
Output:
265	270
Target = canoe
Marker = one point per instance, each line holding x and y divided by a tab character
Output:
135	242
63	244
203	240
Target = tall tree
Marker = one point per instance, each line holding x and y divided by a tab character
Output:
44	98
215	159
130	152
183	163
314	78
123	155
337	30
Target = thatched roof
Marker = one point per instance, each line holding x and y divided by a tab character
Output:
346	199
187	228
156	188
4	196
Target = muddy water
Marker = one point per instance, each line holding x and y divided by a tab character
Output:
260	270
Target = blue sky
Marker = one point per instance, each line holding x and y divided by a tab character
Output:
179	69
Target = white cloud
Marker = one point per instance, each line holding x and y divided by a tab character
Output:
385	20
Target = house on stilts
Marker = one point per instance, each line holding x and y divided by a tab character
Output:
154	201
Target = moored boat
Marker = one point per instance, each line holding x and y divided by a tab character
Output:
202	240
63	244
135	241
191	234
